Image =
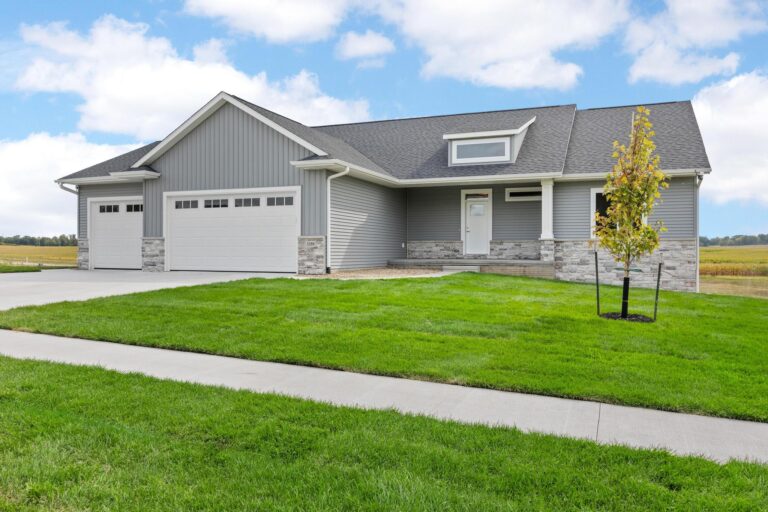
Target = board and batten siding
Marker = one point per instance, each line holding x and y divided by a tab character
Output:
677	209
367	224
434	213
85	192
233	150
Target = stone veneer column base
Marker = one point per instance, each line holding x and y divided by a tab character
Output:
312	255
547	250
153	254
83	261
575	261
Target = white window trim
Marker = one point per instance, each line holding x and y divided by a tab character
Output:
170	196
464	194
593	209
522	198
95	200
506	157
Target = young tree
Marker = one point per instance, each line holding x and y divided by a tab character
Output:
631	189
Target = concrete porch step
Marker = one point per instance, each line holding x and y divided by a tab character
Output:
461	268
531	268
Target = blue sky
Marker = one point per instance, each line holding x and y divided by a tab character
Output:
83	81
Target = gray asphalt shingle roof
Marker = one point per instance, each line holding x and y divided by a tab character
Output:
562	139
678	139
414	148
119	163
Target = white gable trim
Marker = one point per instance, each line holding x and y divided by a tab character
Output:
207	111
494	133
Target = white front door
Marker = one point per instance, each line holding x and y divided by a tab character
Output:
115	230
477	223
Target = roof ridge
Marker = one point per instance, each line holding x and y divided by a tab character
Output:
443	115
636	105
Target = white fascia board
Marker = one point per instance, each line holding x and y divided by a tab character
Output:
588	176
337	165
101	179
142	174
495	133
207	111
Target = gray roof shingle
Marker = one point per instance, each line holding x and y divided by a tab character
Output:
414	148
117	164
678	139
562	139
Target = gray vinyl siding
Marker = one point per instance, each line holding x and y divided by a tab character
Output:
367	224
232	150
435	214
90	191
572	215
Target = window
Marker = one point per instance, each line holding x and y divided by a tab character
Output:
475	151
109	208
280	201
216	203
247	202
134	208
186	204
599	204
522	194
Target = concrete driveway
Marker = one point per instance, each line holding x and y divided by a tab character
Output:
33	288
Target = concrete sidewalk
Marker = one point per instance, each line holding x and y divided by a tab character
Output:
684	434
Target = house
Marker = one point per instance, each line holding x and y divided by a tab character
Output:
237	187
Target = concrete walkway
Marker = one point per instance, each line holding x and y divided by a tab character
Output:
684	434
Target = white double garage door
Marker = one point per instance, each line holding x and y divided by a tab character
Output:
253	230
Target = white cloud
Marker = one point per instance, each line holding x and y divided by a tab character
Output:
674	46
502	43
32	204
138	85
733	116
277	21
353	45
505	43
211	52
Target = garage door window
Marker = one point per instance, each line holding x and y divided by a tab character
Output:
186	205
109	208
247	202
134	208
217	203
280	201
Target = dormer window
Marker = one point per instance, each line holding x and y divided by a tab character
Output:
487	147
475	151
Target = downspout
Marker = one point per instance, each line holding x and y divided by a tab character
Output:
328	217
699	178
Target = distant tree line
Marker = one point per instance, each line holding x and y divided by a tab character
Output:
43	241
761	239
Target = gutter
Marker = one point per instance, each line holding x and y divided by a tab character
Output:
328	217
70	190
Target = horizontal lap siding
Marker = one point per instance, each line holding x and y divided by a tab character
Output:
572	203
233	150
435	214
367	224
90	191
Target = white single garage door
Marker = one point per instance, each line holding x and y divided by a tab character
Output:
252	231
115	229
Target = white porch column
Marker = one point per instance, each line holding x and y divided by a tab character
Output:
547	213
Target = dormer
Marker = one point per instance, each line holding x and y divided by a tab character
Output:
489	147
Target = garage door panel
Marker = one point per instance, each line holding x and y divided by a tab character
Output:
115	234
250	238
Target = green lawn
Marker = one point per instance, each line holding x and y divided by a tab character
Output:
9	269
706	354
74	438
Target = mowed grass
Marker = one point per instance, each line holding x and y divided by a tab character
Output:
30	254
706	354
74	438
9	269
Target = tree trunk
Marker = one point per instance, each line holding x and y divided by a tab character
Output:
625	298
